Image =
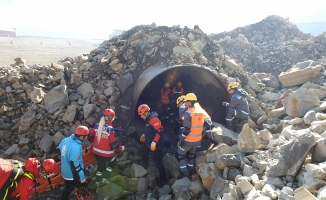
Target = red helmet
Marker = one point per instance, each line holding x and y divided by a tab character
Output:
142	109
81	130
83	194
49	165
109	112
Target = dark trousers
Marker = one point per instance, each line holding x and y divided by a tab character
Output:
101	162
70	185
157	157
233	116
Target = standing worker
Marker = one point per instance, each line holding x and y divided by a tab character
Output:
191	135
177	91
238	107
152	139
165	100
104	149
72	166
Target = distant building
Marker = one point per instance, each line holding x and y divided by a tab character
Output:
11	32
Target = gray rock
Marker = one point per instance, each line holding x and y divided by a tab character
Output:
14	149
137	171
70	113
124	82
312	177
108	91
142	186
233	172
298	77
37	95
171	165
56	98
277	112
86	89
319	151
57	138
303	193
299	102
46	143
292	157
227	160
221	149
166	189
248	140
88	109
245	186
285	193
208	172
276	181
219	187
23	142
224	135
28	118
309	117
322	193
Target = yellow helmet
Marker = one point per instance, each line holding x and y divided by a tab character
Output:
233	85
167	84
181	98
179	83
190	97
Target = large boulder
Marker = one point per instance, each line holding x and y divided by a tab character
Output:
293	155
248	140
56	98
299	102
37	95
124	82
297	77
85	89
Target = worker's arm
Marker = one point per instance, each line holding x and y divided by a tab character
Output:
77	166
156	123
186	123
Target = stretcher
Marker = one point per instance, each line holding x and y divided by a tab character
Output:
50	182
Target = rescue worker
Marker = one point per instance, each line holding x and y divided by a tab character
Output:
191	135
104	150
152	139
177	91
33	169
182	108
72	167
165	100
238	107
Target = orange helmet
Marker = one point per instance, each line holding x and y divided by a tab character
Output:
142	109
109	112
179	84
49	165
167	84
81	130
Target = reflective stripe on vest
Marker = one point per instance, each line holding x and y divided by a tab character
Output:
101	151
175	91
165	96
197	123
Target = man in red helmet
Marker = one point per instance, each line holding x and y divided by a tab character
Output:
104	148
152	138
32	169
72	166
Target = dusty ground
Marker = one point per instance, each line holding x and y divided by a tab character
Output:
51	49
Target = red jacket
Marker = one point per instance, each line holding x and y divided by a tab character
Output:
26	184
107	142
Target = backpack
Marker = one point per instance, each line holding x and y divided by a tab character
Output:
11	171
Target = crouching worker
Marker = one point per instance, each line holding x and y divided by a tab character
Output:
17	179
191	137
105	145
72	166
152	139
238	107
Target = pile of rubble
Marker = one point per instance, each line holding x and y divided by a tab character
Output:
272	45
271	158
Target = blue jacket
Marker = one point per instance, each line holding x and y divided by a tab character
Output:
150	133
71	152
238	100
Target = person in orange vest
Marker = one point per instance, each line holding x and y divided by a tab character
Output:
104	149
191	136
152	139
165	100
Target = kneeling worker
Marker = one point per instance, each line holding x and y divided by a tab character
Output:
238	107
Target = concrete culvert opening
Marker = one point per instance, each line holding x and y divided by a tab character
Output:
209	90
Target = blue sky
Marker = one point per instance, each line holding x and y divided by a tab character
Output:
97	18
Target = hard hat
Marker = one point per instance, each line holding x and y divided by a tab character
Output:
142	109
109	112
83	194
233	85
181	98
179	83
167	84
49	165
81	130
190	97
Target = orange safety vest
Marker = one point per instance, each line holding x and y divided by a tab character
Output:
197	125
165	96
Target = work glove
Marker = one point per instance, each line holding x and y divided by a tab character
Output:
153	146
142	138
226	104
